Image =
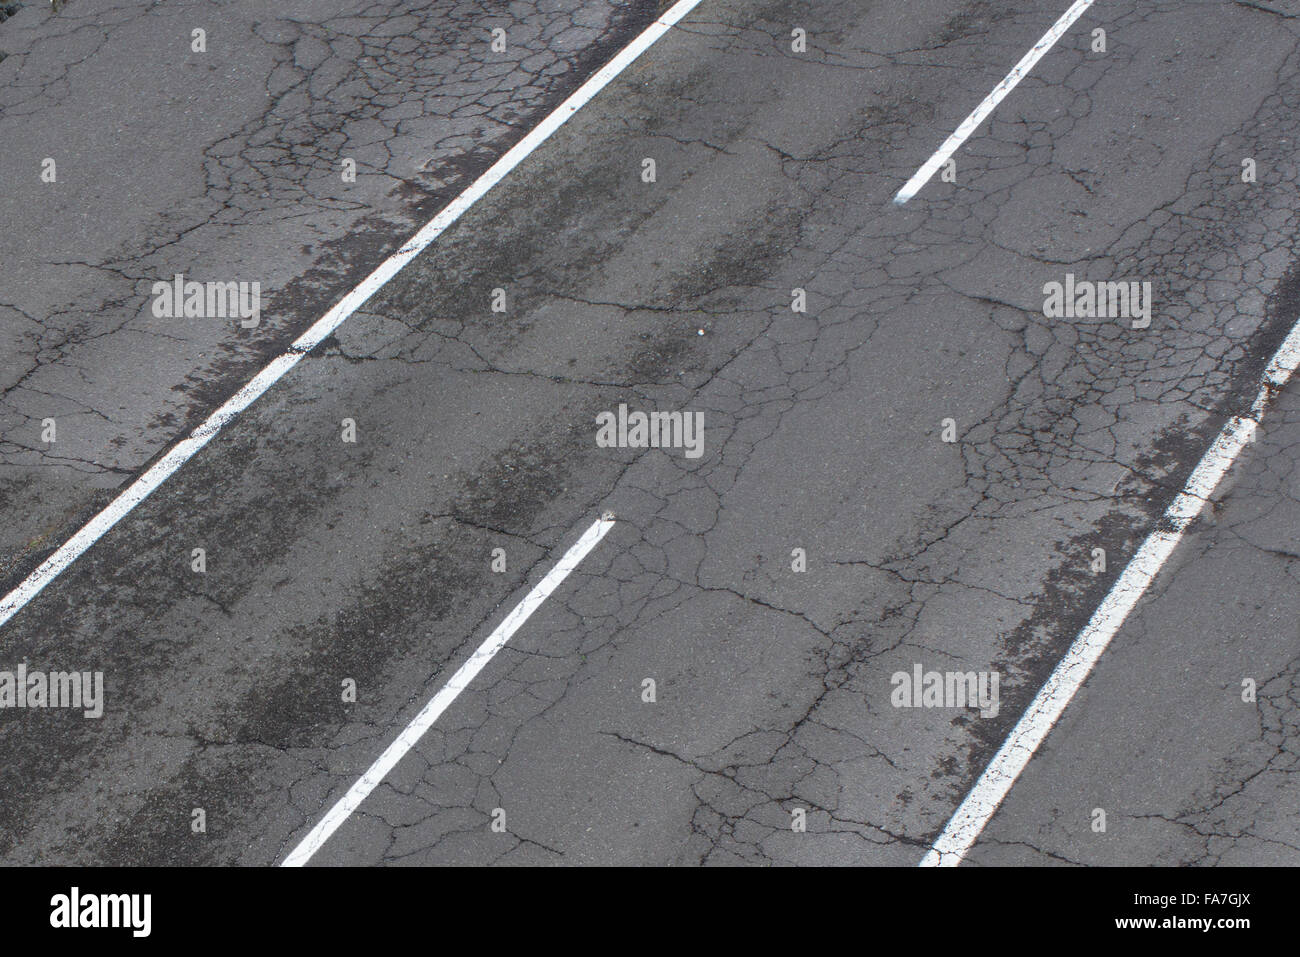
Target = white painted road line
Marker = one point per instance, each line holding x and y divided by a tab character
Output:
969	820
439	703
184	450
972	122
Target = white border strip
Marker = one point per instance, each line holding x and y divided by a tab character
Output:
183	451
439	703
972	122
968	822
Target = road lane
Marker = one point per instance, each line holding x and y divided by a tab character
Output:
225	165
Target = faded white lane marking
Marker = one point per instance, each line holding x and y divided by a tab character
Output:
439	703
972	122
969	820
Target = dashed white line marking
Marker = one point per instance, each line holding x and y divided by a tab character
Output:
439	703
184	450
969	820
972	122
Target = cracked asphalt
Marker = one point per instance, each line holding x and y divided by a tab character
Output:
371	561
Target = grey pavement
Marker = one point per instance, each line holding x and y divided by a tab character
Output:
371	562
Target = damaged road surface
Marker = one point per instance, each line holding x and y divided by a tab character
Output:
870	468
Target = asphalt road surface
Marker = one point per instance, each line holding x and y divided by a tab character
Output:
905	462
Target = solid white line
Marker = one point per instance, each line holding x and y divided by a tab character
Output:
439	703
972	122
969	820
161	470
